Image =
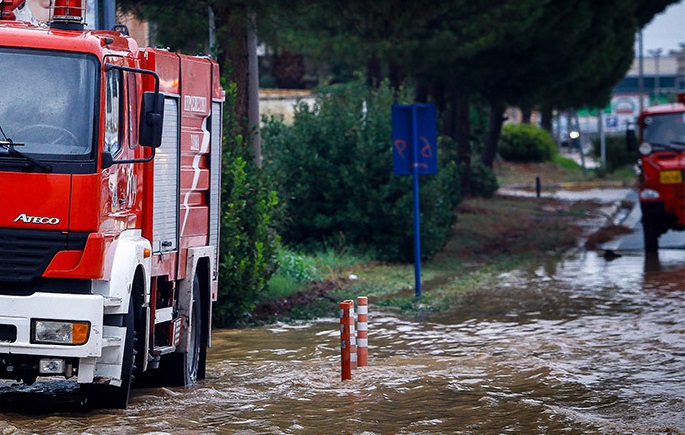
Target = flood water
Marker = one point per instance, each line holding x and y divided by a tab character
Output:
585	346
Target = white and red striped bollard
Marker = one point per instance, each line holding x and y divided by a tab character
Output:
353	338
362	331
346	339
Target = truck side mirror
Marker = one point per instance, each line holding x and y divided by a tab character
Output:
631	140
151	120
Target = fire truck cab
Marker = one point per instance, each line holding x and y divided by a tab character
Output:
661	169
110	162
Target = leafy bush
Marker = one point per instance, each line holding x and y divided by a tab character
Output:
248	242
617	153
333	168
483	180
526	143
300	268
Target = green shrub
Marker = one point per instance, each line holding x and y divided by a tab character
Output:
526	143
617	153
248	240
483	180
300	268
333	169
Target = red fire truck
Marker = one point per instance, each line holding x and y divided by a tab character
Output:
661	169
110	160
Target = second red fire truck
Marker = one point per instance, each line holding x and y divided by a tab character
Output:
110	160
661	169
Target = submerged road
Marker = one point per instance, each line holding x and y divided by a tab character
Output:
635	241
583	345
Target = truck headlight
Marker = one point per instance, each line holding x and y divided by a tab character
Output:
649	194
645	149
60	332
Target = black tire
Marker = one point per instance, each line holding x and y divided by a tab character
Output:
191	365
650	232
183	369
107	396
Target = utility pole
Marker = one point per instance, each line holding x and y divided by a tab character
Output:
602	137
109	12
212	30
656	54
641	76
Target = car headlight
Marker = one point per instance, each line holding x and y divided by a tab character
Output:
645	149
649	194
60	332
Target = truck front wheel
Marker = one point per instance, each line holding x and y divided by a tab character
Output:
650	231
107	396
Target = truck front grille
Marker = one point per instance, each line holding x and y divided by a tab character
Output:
24	254
8	333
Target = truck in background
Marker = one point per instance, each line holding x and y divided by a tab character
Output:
110	162
661	169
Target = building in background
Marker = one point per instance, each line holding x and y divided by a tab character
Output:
663	77
663	74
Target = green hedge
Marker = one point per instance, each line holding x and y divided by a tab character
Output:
483	180
526	143
333	168
617	153
248	243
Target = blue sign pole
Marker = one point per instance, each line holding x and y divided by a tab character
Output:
417	214
414	153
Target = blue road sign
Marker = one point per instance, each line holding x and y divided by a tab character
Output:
414	152
406	135
611	121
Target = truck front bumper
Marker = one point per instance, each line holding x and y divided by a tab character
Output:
18	315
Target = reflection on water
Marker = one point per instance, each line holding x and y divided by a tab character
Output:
588	346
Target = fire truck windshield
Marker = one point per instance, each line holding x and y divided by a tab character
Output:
47	102
665	130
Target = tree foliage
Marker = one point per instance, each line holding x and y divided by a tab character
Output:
549	54
333	166
248	243
532	53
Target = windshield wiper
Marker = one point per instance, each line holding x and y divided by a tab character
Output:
673	146
8	144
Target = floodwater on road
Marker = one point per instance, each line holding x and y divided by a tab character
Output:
584	346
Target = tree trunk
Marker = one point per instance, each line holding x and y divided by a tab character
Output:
253	89
547	117
448	110
397	75
526	114
235	57
494	131
373	70
462	106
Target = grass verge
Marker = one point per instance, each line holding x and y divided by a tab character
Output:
561	170
491	236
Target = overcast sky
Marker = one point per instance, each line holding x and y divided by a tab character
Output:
666	30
